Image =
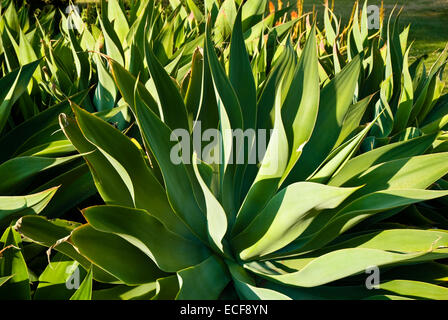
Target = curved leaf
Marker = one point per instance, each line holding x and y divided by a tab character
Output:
168	250
286	216
204	281
115	255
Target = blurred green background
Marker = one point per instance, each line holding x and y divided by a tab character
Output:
428	20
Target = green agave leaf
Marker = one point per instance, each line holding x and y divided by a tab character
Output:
333	265
167	33
204	281
122	292
171	102
194	91
208	113
167	288
114	255
335	100
84	291
47	233
88	39
126	82
337	59
269	175
216	217
126	162
364	26
431	272
14	85
330	32
13	263
240	71
11	17
416	289
440	145
284	28
137	8
117	16
420	95
108	115
286	216
393	151
179	65
322	292
187	53
225	93
53	280
18	206
51	149
114	48
246	287
339	157
409	173
3	280
283	69
252	36
168	250
51	233
75	186
437	118
8	48
106	91
158	137
82	64
13	141
406	98
353	119
75	20
356	31
434	92
18	172
230	117
300	109
360	209
9	38
252	13
429	88
198	16
107	180
393	62
40	140
63	77
137	42
26	53
376	69
431	242
225	20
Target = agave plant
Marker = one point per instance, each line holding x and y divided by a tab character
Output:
409	98
408	95
279	229
350	181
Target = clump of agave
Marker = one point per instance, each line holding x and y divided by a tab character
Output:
358	176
